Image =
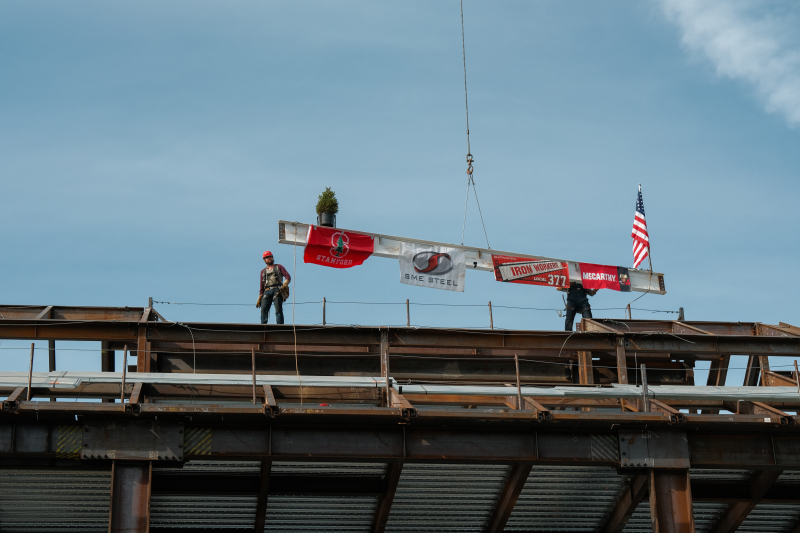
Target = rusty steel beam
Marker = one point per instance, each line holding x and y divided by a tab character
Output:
773	379
263	495
288	439
760	482
509	496
717	376
671	501
633	494
10	312
393	472
130	497
655	342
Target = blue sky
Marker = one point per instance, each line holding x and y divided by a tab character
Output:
149	148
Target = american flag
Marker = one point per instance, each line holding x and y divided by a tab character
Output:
641	241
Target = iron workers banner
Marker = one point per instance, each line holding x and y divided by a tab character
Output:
605	277
335	248
530	271
436	267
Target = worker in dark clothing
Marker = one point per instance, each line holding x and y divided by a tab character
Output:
272	288
577	302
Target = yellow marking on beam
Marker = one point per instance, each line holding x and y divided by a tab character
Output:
70	440
197	441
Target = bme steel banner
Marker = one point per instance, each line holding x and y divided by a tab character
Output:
530	271
436	267
605	277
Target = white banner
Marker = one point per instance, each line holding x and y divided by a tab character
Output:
436	267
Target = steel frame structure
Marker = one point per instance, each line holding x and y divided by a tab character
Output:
653	443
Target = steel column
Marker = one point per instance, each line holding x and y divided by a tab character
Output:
622	363
130	497
671	501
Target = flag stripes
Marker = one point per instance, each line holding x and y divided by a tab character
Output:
641	240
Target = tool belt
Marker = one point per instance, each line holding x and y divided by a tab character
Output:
283	291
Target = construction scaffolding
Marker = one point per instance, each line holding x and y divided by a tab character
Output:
245	427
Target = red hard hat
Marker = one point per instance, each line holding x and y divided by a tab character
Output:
266	254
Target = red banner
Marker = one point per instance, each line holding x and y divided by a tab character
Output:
530	271
335	248
605	277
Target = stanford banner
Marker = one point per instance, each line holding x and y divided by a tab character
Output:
605	277
530	271
437	267
335	248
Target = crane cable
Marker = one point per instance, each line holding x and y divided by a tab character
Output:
470	159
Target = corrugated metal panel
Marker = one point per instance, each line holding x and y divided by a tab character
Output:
639	522
343	514
190	511
285	513
706	515
228	467
790	476
446	498
328	469
770	517
54	500
566	498
714	475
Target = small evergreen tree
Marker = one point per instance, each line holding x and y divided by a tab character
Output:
327	202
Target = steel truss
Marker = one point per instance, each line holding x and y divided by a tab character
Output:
655	442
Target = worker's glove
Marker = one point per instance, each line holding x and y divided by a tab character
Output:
285	284
258	302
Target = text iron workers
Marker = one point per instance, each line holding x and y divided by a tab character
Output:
530	271
436	267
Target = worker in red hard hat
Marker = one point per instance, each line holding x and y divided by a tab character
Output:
272	288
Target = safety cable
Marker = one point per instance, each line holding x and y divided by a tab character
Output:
428	304
294	327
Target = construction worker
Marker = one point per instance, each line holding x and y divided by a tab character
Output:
272	288
577	302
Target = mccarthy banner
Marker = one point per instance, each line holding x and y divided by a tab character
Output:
335	248
436	267
530	271
605	277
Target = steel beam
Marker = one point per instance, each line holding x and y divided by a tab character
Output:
643	342
509	496
628	501
263	495
295	233
671	501
760	482
130	497
384	507
289	438
60	312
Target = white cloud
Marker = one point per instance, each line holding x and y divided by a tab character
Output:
748	40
